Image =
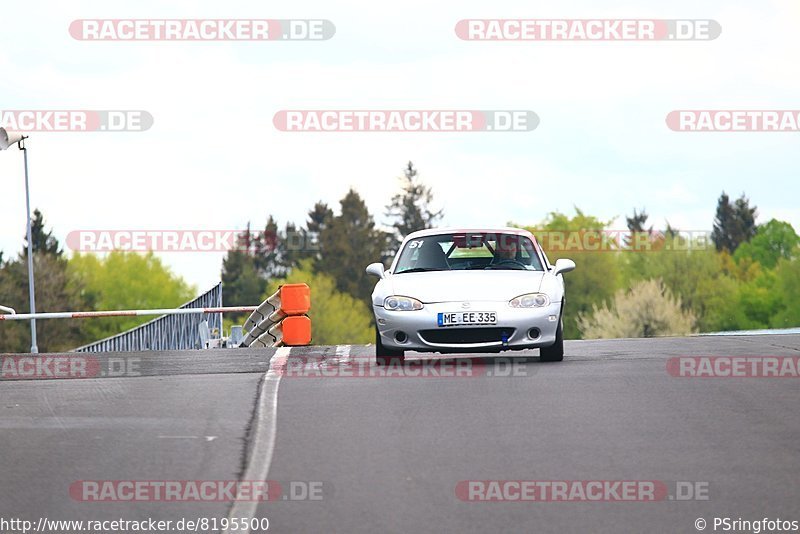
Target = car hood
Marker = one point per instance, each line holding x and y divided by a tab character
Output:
446	286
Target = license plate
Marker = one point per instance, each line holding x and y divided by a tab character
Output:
470	317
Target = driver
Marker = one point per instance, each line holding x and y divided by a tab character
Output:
506	249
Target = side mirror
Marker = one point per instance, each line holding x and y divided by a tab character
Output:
376	269
563	265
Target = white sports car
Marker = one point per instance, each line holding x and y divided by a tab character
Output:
479	290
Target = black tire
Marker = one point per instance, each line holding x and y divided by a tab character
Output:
384	355
555	352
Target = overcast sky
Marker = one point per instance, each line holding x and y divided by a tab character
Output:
213	159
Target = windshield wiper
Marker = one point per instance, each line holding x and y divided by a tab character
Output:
419	270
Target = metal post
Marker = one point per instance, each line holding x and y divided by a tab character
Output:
31	290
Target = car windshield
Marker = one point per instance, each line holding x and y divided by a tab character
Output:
469	251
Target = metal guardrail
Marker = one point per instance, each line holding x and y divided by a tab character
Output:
281	319
169	332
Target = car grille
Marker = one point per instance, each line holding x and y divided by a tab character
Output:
455	336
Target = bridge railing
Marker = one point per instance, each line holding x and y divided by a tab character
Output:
177	331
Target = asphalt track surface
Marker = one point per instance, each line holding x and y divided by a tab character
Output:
386	453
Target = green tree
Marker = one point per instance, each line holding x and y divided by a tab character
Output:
55	290
741	296
734	223
717	304
787	274
773	241
759	300
681	266
336	317
648	309
411	207
42	240
636	226
596	277
319	218
257	259
242	285
272	250
637	221
707	283
126	280
348	243
297	244
670	231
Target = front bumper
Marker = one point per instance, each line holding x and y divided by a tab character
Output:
419	331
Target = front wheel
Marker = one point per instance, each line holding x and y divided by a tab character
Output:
384	355
555	352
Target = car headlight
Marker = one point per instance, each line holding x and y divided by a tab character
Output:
397	303
531	300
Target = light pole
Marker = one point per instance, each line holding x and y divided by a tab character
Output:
6	140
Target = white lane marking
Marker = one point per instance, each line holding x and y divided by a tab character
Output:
343	354
263	445
207	438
